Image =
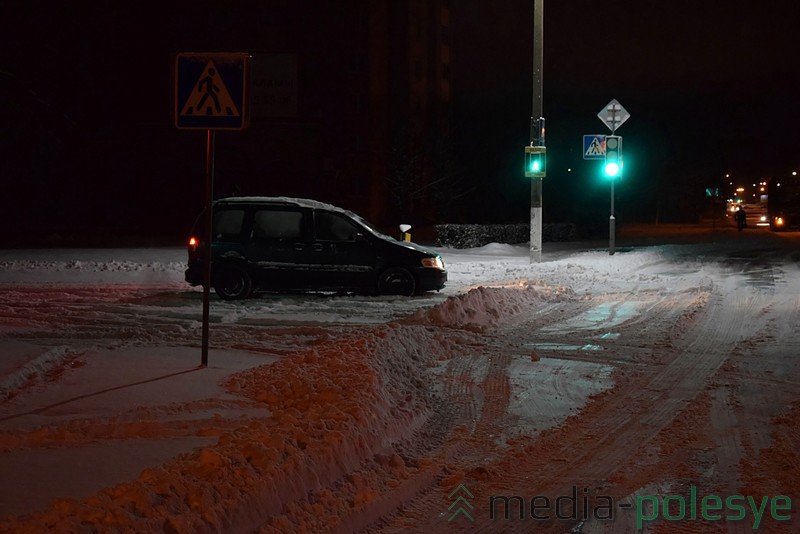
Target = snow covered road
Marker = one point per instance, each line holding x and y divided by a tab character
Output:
660	368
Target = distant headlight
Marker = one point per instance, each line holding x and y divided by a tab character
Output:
763	218
778	221
433	263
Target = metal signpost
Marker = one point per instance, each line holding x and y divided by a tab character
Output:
210	94
613	116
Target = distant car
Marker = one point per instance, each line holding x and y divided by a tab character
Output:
784	203
290	244
756	215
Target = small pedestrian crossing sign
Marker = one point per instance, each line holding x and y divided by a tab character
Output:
210	97
211	91
594	146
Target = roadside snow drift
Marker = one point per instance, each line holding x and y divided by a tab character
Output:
331	414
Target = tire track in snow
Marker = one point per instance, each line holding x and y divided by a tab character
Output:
762	385
477	396
590	449
634	415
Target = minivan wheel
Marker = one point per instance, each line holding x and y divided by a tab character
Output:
397	281
232	282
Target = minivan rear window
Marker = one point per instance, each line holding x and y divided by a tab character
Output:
228	225
277	224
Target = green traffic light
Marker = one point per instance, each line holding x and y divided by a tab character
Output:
613	164
535	161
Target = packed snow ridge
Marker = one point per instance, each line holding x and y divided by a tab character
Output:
331	414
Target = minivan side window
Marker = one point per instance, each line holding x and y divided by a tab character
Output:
334	227
228	225
277	224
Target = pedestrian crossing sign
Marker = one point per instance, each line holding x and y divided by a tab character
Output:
211	90
594	146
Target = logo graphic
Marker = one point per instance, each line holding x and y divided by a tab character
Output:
460	504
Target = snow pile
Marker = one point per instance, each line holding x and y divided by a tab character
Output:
336	409
92	266
340	415
35	370
483	307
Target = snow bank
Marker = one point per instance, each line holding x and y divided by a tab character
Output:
484	307
332	415
34	370
92	265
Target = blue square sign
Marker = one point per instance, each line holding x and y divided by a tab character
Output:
594	146
211	90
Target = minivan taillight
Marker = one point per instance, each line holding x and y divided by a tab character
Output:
194	248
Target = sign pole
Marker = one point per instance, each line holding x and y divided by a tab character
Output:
209	220
612	222
210	93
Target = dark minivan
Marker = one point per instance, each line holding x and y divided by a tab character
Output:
292	244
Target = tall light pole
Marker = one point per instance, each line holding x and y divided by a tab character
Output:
537	133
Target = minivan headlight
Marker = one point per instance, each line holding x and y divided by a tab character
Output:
433	263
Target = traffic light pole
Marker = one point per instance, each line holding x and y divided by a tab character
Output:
613	115
612	230
612	221
536	182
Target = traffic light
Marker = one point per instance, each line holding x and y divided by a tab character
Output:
535	161
613	164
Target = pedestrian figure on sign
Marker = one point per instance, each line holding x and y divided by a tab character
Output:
741	218
211	90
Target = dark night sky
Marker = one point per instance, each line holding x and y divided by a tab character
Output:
711	87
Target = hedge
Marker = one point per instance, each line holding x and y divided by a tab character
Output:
478	235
